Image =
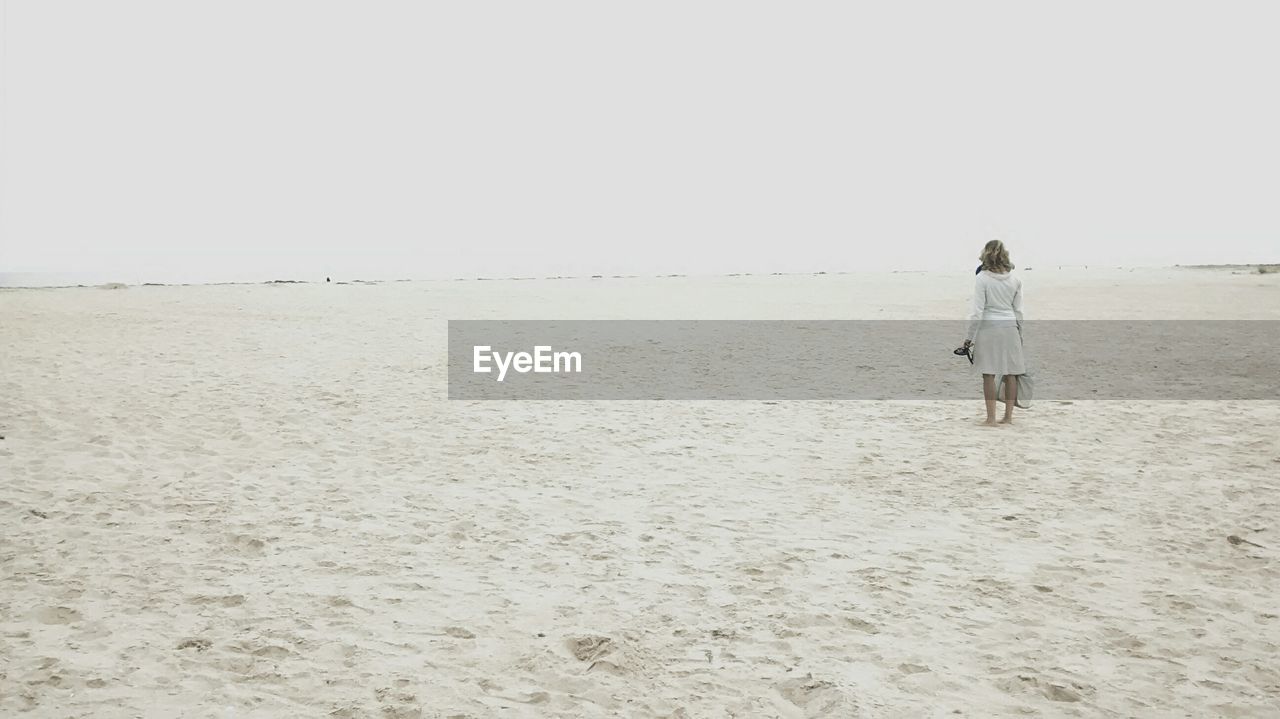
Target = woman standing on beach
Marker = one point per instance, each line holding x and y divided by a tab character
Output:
995	329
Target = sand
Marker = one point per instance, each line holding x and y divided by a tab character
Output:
254	501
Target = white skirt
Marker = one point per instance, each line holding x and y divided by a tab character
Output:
997	349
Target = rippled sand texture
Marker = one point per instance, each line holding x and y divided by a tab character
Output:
254	501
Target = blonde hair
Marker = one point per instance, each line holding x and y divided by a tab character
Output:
995	258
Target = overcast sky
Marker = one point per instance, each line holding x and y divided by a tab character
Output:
169	141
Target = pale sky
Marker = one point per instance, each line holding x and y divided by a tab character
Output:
180	141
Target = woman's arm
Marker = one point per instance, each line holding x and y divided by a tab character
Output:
1017	306
979	306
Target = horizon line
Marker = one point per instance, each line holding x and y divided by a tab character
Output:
1262	268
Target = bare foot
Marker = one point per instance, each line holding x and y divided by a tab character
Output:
1007	420
988	423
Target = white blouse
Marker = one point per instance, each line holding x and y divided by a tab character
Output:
996	296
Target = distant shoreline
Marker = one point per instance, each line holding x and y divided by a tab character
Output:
1259	268
1265	267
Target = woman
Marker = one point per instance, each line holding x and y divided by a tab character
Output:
995	329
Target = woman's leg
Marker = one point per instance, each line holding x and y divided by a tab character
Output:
989	394
1010	397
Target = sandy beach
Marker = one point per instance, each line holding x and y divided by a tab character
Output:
256	501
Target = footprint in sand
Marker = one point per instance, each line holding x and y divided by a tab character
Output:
1063	690
817	697
398	704
226	600
527	697
246	544
589	648
56	615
